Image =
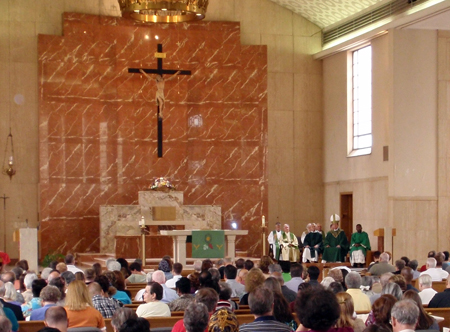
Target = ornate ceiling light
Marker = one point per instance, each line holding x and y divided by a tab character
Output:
164	11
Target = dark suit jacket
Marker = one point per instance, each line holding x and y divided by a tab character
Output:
441	300
15	308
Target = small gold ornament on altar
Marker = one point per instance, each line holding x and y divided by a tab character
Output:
162	184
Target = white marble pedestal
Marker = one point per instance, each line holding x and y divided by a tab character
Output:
179	243
28	246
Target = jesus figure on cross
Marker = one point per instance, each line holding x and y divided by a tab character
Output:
160	81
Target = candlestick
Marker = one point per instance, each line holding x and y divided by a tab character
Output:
142	221
263	221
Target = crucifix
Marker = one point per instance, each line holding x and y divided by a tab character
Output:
160	80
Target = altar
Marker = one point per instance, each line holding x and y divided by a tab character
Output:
179	243
157	224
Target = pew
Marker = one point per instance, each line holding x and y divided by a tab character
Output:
438	286
155	323
440	312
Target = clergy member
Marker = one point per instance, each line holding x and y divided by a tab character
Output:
358	246
289	246
312	245
274	239
335	243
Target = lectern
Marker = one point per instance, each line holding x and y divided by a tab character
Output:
28	246
385	238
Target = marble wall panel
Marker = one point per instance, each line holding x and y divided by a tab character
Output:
98	122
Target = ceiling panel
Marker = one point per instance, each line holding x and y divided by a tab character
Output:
326	12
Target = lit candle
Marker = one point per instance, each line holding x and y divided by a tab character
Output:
142	221
263	221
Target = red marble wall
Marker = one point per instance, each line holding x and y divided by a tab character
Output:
98	124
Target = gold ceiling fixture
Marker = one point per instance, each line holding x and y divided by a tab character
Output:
164	11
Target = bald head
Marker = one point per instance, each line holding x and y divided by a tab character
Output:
95	289
56	317
54	274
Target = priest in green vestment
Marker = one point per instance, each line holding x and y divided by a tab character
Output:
289	246
335	243
359	244
313	245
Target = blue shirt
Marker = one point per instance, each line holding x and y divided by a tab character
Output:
39	314
122	297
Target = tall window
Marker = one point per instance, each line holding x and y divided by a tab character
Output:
362	101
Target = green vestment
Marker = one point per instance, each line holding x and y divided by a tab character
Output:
332	253
361	238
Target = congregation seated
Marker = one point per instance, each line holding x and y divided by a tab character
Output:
281	309
80	309
121	316
183	289
206	296
437	274
135	325
177	269
296	271
426	291
36	302
237	289
425	321
346	318
153	306
56	317
49	295
261	302
442	299
196	317
360	300
165	265
317	309
105	305
118	282
383	266
254	278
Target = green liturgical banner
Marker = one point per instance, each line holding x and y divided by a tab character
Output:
208	244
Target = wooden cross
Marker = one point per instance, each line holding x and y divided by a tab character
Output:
160	85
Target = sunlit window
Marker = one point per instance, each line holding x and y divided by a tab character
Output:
362	101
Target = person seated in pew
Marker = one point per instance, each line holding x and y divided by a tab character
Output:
442	299
80	309
5	324
137	275
153	306
183	288
208	297
36	302
56	317
121	316
49	295
261	302
176	272
196	317
223	320
426	291
425	322
405	315
135	325
102	303
169	294
432	270
230	278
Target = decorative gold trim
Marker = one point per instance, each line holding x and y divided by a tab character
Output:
164	11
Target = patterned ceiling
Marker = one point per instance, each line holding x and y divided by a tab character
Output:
326	12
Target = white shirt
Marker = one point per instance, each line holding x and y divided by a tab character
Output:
426	295
74	269
434	273
171	282
237	289
153	309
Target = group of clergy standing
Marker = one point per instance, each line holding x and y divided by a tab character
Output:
334	246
